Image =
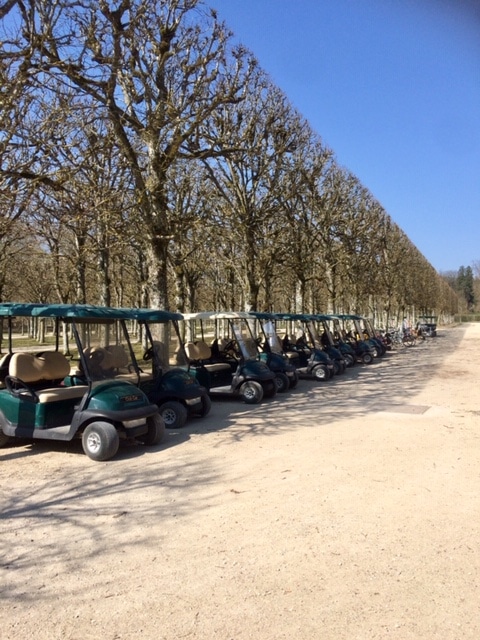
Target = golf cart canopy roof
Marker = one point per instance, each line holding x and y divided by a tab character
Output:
292	316
348	316
321	316
262	315
64	311
216	315
151	315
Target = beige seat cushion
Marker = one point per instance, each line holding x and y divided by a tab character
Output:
198	351
51	365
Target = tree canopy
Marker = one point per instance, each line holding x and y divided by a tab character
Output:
146	159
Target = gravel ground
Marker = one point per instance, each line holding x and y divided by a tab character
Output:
343	510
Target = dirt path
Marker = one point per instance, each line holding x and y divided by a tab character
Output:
346	510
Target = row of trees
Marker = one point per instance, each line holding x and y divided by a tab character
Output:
147	160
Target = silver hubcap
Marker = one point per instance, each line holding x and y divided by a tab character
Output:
93	442
169	416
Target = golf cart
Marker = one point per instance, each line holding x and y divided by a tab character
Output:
336	335
341	358
301	345
223	356
427	326
347	329
286	376
373	336
77	391
168	383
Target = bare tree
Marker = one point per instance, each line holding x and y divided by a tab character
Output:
261	134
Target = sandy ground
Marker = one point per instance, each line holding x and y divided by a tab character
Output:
344	510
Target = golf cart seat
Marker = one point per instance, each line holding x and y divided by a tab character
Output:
42	376
288	343
118	357
200	353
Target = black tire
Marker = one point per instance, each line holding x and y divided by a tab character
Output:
320	372
270	389
251	392
206	406
100	441
294	380
282	382
174	414
367	358
339	367
349	359
156	431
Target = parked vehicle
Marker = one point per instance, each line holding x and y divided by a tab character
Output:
286	376
167	382
76	392
349	332
224	358
428	326
303	348
374	336
336	333
341	359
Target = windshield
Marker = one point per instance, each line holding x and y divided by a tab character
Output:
162	347
245	340
102	351
314	337
271	336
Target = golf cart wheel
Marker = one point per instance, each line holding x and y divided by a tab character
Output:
294	380
367	358
100	441
251	392
174	414
349	359
206	406
270	389
282	382
320	372
156	431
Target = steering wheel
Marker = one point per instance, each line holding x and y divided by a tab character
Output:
18	388
231	346
148	355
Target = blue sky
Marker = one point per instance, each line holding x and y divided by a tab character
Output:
393	88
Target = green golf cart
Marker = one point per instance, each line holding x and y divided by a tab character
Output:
163	371
74	384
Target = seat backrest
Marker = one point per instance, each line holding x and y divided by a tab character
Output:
198	351
50	365
204	351
26	367
56	365
191	351
100	358
118	356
